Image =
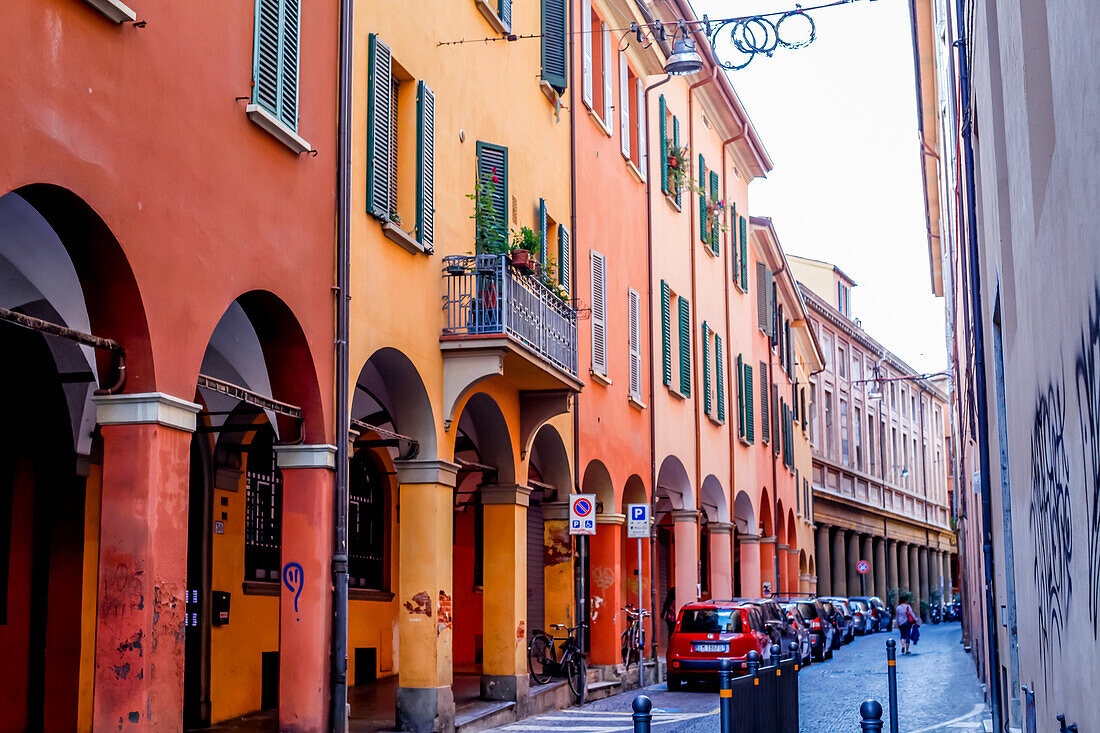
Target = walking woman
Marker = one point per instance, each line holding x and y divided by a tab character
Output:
907	622
668	610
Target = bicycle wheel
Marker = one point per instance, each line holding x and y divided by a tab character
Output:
577	675
633	651
624	644
540	656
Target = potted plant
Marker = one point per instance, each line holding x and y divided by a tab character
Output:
490	236
677	167
526	245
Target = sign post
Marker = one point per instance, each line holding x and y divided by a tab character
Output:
862	567
637	527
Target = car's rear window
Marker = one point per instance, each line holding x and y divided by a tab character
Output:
858	605
808	611
710	621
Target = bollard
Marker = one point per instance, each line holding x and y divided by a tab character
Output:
753	659
795	655
725	695
777	657
642	717
892	674
870	713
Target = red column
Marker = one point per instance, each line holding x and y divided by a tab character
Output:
721	560
305	596
606	588
750	565
685	572
767	562
793	574
142	562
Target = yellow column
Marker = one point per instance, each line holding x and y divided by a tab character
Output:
425	700
504	609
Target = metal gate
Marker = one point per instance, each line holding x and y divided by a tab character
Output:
536	582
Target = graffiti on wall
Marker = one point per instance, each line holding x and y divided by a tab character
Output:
1087	375
1049	516
293	579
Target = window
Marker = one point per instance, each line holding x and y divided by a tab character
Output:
871	441
668	121
555	48
367	523
666	334
641	145
492	176
894	396
844	432
263	509
859	439
707	403
802	406
634	318
684	323
829	423
913	406
743	236
275	60
827	348
685	347
401	127
765	409
599	314
857	367
720	378
745	418
813	412
765	299
626	112
841	362
565	259
596	47
894	452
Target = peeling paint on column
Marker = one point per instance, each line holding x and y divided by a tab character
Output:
521	631
558	545
444	620
419	603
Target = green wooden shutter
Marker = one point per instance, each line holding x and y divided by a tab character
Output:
734	250
740	397
666	334
275	59
714	230
706	369
663	111
744	256
492	160
685	347
425	166
504	12
703	234
565	258
544	239
750	417
554	45
676	144
765	410
720	377
379	129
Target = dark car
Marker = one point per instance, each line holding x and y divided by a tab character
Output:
777	624
819	625
883	618
842	619
802	633
707	632
863	616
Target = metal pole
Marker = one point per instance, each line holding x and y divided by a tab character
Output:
641	621
892	674
871	714
863	584
725	696
642	717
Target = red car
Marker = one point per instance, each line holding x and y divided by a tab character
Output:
709	631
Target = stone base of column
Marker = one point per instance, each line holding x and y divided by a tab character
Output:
508	687
425	709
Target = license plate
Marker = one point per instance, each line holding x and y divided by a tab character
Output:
710	648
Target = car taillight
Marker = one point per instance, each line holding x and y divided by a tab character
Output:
816	624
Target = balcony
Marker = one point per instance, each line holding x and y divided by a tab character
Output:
501	322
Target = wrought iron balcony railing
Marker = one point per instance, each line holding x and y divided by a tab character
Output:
487	296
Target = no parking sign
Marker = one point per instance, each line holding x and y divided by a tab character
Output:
582	514
862	566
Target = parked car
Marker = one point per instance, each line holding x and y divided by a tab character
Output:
885	619
830	617
801	627
775	619
844	622
707	632
863	615
820	626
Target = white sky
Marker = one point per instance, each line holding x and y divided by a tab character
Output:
839	121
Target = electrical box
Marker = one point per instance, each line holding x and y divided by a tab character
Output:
219	601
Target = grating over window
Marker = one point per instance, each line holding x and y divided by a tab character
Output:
263	509
366	523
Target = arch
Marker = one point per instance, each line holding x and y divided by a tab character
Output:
781	525
483	423
634	492
792	532
115	308
743	514
802	566
813	565
597	480
766	514
673	486
714	500
390	391
550	461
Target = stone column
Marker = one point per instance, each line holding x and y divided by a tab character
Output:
853	558
914	578
868	586
750	564
948	588
504	673
822	562
903	570
425	625
893	580
685	570
605	577
840	563
305	595
922	568
792	579
878	567
780	583
721	558
767	560
142	560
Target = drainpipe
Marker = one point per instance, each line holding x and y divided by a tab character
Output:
654	618
995	691
339	714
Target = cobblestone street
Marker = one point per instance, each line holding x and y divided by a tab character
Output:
937	688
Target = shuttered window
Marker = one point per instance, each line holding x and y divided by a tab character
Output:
776	423
425	166
586	51
662	109
554	44
666	334
765	412
624	104
685	347
565	259
634	317
643	150
720	377
599	314
761	297
275	59
379	129
492	162
676	143
544	239
715	229
750	417
735	253
744	256
504	12
605	44
769	291
706	369
704	235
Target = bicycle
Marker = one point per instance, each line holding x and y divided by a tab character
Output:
544	662
632	640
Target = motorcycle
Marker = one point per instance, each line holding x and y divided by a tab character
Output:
952	612
936	613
